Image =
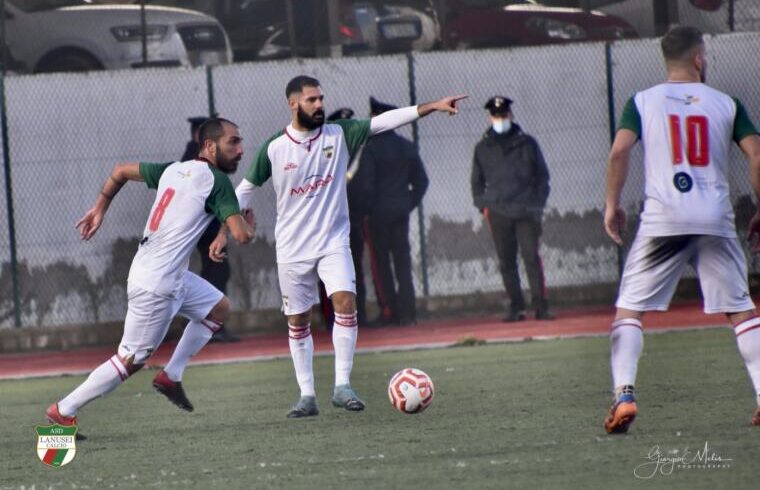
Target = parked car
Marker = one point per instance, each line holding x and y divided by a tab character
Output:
711	16
259	29
75	35
499	23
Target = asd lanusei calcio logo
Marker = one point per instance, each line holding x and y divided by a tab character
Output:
56	444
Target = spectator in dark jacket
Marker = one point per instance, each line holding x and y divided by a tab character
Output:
510	186
394	170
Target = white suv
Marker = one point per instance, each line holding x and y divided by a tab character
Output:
75	35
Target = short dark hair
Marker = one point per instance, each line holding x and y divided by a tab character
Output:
213	129
298	83
679	42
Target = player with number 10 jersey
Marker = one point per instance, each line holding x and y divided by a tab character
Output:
686	129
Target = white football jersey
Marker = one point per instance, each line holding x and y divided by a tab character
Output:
189	195
687	130
308	171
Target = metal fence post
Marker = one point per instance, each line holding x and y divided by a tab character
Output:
210	90
420	209
8	185
611	122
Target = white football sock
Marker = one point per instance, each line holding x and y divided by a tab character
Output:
345	331
103	380
302	351
626	343
196	335
748	340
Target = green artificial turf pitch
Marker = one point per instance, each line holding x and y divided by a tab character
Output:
520	415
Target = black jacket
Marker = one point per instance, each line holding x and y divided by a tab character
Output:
395	175
509	174
191	151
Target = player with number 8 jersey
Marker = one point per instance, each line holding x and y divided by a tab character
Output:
160	286
687	129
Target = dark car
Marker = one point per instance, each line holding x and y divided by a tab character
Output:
500	23
260	29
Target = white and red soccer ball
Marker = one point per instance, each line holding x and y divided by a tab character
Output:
411	390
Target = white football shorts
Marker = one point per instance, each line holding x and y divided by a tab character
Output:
149	315
298	280
655	265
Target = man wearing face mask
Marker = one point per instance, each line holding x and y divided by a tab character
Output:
510	186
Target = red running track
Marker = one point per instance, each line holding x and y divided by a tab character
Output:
571	323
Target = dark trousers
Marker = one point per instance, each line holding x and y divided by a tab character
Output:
356	239
390	238
509	234
217	273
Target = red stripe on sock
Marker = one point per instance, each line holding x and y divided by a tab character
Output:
347	325
626	324
211	325
748	330
118	371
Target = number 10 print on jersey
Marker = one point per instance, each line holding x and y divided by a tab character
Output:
697	140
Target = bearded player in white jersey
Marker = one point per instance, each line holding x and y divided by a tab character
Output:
189	195
307	162
687	129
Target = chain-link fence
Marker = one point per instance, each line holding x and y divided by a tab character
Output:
63	132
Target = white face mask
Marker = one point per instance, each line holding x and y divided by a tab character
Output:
501	126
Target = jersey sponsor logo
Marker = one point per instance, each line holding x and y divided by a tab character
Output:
56	444
313	184
290	166
328	152
184	174
683	182
687	100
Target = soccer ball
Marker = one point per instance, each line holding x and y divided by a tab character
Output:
411	391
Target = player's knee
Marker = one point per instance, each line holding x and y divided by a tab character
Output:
132	363
299	320
221	311
344	302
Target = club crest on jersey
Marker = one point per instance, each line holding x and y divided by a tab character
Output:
184	174
683	182
328	152
56	444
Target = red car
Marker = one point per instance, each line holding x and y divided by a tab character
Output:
499	23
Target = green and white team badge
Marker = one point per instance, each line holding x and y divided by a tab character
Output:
56	444
328	152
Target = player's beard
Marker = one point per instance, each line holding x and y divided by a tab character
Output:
226	165
310	121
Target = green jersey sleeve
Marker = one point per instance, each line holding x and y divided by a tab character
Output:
631	119
356	132
743	126
261	167
152	172
222	201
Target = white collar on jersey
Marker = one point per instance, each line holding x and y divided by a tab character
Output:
303	137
